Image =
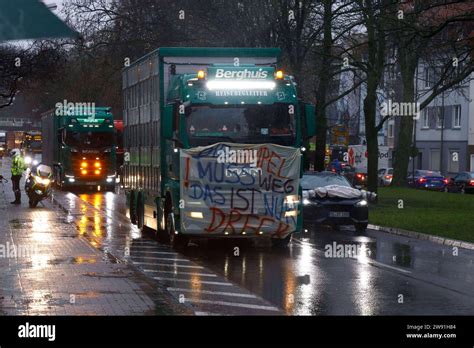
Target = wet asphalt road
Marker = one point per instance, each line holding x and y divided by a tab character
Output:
388	274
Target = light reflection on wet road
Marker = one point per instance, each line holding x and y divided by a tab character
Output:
300	280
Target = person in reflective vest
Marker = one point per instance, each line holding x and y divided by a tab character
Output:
17	168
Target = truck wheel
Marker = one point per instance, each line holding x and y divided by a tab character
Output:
133	215
140	216
177	241
281	243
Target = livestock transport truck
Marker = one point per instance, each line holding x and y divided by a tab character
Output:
213	140
80	147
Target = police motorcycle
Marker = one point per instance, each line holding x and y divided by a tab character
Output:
38	184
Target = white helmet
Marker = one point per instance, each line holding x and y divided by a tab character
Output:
44	171
14	153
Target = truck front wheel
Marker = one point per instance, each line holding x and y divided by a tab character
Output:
177	241
281	243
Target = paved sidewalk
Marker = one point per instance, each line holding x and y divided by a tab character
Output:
56	271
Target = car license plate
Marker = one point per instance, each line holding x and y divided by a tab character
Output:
91	183
339	214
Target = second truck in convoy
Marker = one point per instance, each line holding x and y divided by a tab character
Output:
213	140
80	146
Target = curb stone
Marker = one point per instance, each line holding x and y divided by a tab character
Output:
423	236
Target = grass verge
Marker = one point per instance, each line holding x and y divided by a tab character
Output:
442	214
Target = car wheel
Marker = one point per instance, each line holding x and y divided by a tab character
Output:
446	189
281	243
361	227
177	241
463	190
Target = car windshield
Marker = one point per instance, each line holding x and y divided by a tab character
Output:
252	124
90	139
309	182
390	171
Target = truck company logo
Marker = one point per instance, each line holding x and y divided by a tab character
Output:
74	109
241	74
237	156
241	94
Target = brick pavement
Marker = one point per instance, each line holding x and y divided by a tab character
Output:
58	272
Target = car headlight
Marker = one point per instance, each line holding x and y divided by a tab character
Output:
306	201
35	162
28	160
362	203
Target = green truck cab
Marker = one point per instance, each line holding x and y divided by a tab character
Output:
80	146
213	140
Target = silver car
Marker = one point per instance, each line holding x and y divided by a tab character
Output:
385	176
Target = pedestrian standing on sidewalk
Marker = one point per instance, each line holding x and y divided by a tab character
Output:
17	168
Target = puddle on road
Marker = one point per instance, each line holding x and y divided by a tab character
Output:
402	255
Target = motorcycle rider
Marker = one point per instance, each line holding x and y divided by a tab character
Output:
17	168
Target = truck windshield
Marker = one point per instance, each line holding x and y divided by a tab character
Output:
33	144
252	124
89	140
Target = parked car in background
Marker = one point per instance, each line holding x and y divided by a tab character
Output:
462	183
427	179
333	209
385	176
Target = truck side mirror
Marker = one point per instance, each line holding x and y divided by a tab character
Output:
310	120
168	121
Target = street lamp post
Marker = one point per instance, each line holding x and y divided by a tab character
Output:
442	135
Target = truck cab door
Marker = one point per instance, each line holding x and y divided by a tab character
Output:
173	142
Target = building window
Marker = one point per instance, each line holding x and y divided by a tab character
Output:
439	118
434	159
428	77
390	130
425	120
453	161
457	116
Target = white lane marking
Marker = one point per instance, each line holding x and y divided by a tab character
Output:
193	281
208	292
234	304
186	273
163	258
151	246
167	264
376	263
150	252
207	314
